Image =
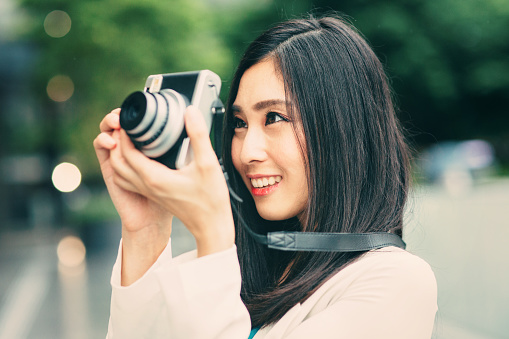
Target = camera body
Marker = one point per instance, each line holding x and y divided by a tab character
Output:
154	118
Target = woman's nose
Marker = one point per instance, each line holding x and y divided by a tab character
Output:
253	147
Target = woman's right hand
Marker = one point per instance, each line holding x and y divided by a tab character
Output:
136	211
146	226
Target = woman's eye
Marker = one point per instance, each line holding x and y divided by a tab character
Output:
238	123
273	117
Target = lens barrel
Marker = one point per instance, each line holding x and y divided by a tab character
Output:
154	121
133	111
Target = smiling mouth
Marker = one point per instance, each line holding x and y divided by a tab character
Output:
265	182
264	186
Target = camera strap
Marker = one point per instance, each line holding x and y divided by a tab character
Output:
217	110
331	242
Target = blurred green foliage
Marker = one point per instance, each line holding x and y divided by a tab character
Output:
110	50
447	59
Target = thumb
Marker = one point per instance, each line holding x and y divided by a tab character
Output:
198	133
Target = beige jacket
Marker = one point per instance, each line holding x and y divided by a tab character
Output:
387	293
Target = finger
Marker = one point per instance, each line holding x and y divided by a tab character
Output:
103	143
151	175
133	156
199	135
140	168
111	121
106	141
125	178
136	159
121	167
124	184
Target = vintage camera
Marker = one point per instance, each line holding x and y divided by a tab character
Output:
154	118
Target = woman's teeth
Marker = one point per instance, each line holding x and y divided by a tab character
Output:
262	182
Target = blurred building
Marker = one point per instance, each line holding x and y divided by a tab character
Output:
23	170
20	173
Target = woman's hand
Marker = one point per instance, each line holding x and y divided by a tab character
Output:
197	194
135	210
146	225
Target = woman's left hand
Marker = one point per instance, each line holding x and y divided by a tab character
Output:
196	194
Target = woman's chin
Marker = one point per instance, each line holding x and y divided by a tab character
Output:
280	209
267	215
274	215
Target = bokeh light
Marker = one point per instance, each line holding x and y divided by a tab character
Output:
71	251
57	24
66	177
60	88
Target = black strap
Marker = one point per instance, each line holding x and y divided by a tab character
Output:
322	242
217	111
334	242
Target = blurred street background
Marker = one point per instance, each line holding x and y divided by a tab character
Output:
65	64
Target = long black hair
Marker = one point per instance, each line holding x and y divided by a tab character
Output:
357	159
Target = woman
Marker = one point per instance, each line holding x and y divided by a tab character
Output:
311	144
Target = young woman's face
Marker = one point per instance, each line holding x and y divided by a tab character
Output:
265	148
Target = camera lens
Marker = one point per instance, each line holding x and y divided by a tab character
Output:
154	121
133	110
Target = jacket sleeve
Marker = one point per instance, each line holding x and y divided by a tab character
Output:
396	300
183	297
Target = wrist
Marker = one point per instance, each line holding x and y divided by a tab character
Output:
140	250
215	239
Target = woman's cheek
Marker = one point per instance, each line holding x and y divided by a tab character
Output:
236	154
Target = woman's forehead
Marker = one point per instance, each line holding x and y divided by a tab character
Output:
260	82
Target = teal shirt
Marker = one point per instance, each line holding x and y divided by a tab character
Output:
253	332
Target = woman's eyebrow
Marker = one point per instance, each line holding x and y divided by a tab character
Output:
236	108
261	105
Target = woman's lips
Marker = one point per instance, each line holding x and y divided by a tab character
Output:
264	184
264	190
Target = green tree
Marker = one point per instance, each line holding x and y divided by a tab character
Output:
446	58
110	50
